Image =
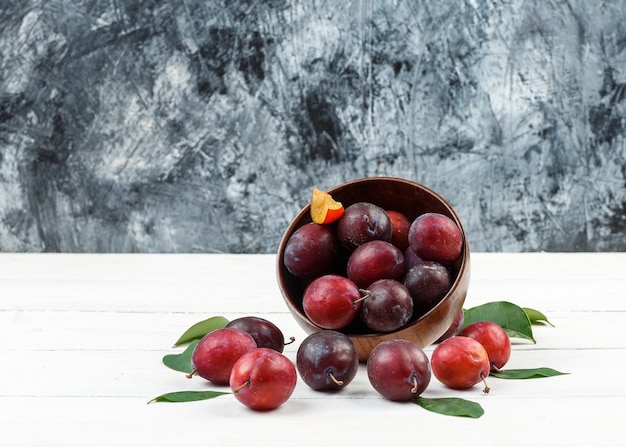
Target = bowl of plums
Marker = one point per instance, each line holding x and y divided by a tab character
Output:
375	259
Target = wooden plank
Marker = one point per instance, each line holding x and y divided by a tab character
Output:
82	338
75	330
58	421
140	373
221	283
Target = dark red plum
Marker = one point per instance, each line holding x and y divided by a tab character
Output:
331	301
388	306
265	333
493	338
400	225
216	353
436	237
263	379
375	260
327	360
311	251
460	362
399	370
428	282
362	222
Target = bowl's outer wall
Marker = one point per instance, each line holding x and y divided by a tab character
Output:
411	199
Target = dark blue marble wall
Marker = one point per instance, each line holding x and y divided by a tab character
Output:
202	126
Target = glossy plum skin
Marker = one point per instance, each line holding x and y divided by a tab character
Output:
428	282
493	338
460	362
400	225
217	352
263	379
331	301
375	260
436	237
388	307
327	360
265	333
399	370
311	251
363	222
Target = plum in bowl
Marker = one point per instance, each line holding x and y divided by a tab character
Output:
411	199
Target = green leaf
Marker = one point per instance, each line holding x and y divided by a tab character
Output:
200	329
532	373
514	334
511	317
451	406
536	317
181	362
188	396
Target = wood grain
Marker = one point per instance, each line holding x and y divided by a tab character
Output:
82	337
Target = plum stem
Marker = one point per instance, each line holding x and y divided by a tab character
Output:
242	386
365	295
334	379
494	368
191	374
486	389
291	340
415	384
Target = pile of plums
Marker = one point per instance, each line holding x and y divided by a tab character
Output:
373	270
399	369
247	356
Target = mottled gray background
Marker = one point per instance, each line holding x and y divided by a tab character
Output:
202	126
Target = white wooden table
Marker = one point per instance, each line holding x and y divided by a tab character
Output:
82	338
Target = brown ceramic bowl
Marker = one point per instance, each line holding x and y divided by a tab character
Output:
409	198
